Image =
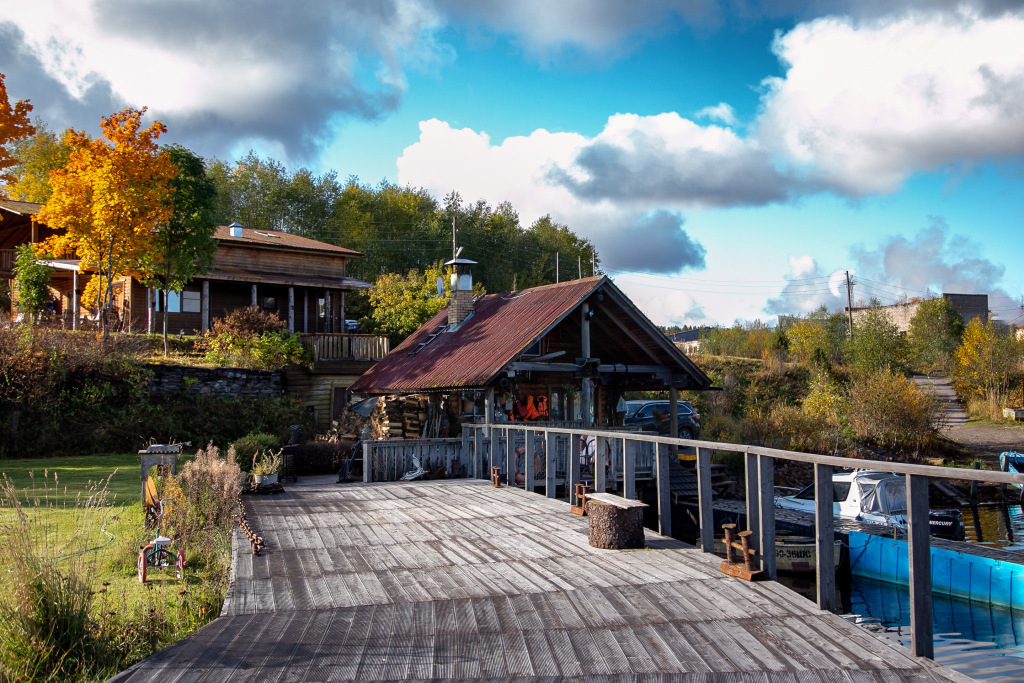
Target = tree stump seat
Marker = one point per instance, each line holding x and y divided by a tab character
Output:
616	523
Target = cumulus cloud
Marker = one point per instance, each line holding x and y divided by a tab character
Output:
667	159
720	112
863	105
519	170
808	287
225	70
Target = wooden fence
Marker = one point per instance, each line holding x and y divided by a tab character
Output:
629	456
326	347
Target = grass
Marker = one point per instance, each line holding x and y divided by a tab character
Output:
67	522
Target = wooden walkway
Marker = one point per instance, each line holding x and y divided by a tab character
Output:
457	580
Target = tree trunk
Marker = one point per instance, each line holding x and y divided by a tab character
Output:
167	346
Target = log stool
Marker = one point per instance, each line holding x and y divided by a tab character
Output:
616	523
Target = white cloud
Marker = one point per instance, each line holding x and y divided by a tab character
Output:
720	112
864	105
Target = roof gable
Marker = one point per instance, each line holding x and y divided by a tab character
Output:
503	326
277	239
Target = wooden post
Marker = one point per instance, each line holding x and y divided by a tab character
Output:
586	401
305	310
629	453
825	538
920	567
74	300
706	514
204	312
673	419
291	310
529	448
600	454
664	491
766	479
255	301
551	457
573	466
510	456
367	463
753	504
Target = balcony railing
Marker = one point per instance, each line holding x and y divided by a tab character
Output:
327	347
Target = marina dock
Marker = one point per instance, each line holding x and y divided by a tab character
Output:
457	580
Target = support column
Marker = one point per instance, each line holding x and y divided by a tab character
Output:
704	501
74	299
664	491
921	636
824	498
305	310
753	504
673	419
766	481
254	300
205	306
149	309
586	401
550	455
291	309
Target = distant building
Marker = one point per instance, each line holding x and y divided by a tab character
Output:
969	306
688	340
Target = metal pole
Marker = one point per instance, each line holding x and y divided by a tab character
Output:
849	302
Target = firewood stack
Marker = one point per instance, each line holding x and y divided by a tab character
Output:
349	425
398	417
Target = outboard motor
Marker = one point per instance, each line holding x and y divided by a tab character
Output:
948	524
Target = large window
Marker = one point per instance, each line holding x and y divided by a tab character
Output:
180	302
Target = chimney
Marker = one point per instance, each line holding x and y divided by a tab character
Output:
236	229
460	305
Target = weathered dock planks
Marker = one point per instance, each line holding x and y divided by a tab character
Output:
457	580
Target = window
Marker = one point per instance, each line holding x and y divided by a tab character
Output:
270	303
180	302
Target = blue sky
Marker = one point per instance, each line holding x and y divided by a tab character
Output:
730	161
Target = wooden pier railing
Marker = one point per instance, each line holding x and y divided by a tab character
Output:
629	457
325	347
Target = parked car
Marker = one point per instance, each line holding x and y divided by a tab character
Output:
654	416
352	326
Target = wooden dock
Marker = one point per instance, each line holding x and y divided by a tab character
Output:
458	580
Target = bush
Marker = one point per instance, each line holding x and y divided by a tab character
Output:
249	338
888	409
204	497
248	322
322	457
246	448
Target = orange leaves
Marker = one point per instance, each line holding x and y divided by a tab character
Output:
112	195
14	125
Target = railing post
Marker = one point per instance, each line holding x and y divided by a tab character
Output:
753	499
492	450
367	463
920	567
551	458
766	479
510	456
825	538
629	451
478	453
529	448
706	510
664	491
600	465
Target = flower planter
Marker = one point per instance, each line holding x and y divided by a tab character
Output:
264	479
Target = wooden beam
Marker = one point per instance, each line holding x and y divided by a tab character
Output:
825	538
921	637
664	491
704	501
632	337
766	480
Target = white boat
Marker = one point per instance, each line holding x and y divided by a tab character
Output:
877	498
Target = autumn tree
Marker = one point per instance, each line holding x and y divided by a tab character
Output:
32	278
878	343
110	199
985	361
14	126
935	332
184	244
37	155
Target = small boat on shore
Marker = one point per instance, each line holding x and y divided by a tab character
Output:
1012	461
878	498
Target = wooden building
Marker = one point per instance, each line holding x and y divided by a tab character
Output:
558	353
300	279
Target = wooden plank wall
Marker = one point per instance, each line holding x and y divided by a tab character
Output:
255	260
316	390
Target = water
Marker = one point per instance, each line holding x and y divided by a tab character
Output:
977	639
995	526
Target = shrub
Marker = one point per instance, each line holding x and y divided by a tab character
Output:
888	409
204	497
248	322
246	448
322	457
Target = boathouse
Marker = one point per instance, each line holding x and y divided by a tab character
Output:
557	354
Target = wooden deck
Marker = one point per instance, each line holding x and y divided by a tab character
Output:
458	580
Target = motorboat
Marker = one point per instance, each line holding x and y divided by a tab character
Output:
877	498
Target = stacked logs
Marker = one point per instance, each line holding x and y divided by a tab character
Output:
255	541
398	417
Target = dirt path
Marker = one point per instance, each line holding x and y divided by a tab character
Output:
985	439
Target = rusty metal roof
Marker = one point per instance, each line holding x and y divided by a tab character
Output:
501	327
276	238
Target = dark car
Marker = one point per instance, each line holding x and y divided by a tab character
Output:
654	416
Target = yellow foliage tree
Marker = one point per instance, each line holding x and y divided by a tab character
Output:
109	199
985	361
805	337
14	125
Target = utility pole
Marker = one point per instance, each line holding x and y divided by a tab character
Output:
593	263
849	302
453	237
556	267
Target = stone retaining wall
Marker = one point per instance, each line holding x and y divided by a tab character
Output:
222	382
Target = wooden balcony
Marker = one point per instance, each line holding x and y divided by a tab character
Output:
344	347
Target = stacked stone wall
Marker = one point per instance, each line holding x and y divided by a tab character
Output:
220	382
